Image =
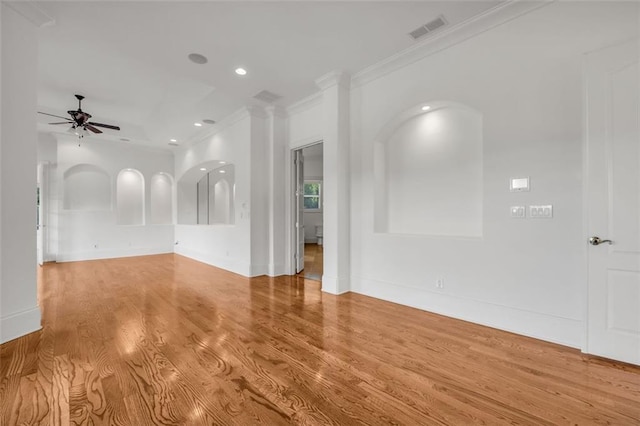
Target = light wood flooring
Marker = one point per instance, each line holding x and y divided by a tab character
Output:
313	262
165	340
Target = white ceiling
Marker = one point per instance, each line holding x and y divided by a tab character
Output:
130	58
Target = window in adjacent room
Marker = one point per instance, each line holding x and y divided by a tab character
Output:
313	195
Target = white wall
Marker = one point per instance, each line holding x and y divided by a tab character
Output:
95	233
305	122
19	311
241	247
525	78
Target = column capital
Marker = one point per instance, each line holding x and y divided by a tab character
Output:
276	111
334	78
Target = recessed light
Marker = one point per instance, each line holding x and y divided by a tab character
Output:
202	169
222	171
173	140
209	121
197	124
197	58
241	71
222	162
426	108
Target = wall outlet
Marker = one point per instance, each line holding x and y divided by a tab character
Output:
541	212
95	246
440	283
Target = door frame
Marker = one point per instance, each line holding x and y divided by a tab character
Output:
42	220
291	204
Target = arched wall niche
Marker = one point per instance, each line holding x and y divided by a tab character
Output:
161	199
130	197
428	172
220	198
86	187
206	194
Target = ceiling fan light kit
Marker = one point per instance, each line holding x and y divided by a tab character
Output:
80	124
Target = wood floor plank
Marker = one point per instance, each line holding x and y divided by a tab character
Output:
165	340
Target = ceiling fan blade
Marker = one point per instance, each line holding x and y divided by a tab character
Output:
93	129
107	126
62	122
57	116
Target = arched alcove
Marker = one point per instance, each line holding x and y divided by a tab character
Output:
428	172
219	211
86	187
161	199
206	194
130	197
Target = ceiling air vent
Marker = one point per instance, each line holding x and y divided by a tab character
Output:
431	26
267	96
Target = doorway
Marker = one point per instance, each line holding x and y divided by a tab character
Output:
41	213
309	220
613	202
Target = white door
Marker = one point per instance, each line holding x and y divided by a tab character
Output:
613	199
40	199
299	163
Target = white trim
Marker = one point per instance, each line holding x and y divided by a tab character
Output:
20	323
303	143
236	266
276	111
305	104
276	270
335	285
31	12
498	15
551	328
113	253
333	78
225	123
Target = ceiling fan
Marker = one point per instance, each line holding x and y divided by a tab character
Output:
80	120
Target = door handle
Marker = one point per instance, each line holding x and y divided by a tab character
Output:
596	241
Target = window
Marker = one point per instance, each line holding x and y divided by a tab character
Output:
312	195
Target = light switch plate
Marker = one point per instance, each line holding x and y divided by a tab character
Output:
518	212
519	184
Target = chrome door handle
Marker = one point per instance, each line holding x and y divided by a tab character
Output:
596	241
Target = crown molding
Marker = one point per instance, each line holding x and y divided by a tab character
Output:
305	104
491	18
334	78
252	111
32	13
225	123
255	111
276	111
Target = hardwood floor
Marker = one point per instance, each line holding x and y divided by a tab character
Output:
313	262
167	340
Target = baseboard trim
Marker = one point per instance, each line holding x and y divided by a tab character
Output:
555	329
335	285
111	254
276	270
20	323
229	264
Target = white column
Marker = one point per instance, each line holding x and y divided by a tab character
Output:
276	158
336	182
259	189
19	311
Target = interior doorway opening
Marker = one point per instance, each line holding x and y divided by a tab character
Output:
309	220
